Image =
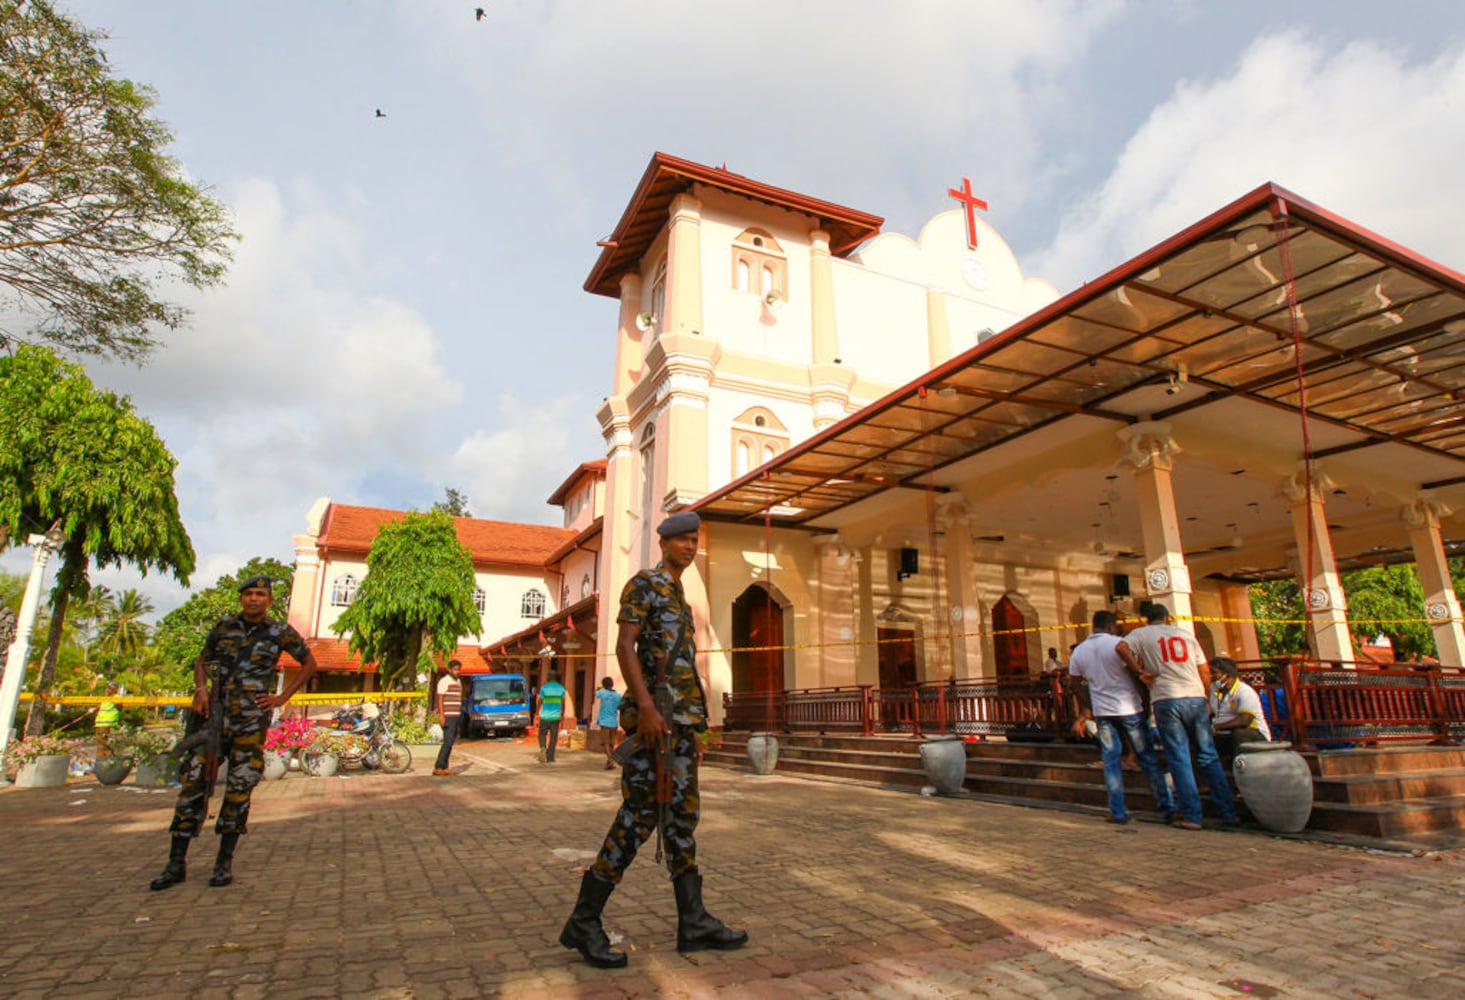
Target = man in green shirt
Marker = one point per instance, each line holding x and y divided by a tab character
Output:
551	712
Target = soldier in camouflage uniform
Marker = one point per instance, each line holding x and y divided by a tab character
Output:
243	650
655	640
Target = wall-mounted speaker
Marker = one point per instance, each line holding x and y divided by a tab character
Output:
910	563
1121	585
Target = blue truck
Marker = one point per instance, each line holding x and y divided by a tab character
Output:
497	704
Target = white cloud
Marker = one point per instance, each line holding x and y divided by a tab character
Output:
1359	131
289	383
521	445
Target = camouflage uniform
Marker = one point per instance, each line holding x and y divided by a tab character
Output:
244	656
653	600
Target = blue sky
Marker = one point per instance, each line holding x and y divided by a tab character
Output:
406	313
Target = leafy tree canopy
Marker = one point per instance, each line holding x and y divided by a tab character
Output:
1382	600
81	459
418	591
454	503
93	213
179	636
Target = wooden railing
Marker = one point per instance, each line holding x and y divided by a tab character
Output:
1312	704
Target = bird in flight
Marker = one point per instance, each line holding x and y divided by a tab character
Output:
380	113
478	14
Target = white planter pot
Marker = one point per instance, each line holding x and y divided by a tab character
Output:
277	765
44	772
322	765
944	758
155	772
763	752
1275	783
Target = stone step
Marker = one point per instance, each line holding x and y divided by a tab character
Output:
1373	760
1360	789
1403	819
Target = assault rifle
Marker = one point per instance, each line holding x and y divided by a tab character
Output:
207	733
664	703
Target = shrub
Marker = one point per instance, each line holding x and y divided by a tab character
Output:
407	729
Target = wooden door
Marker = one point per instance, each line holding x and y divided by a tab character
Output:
758	638
1010	648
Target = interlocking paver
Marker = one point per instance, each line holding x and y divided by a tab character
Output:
408	887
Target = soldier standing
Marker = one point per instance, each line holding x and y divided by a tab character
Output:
243	649
654	646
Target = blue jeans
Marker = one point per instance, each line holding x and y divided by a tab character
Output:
1183	722
1111	748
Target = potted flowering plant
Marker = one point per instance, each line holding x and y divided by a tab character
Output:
41	761
148	750
322	757
282	741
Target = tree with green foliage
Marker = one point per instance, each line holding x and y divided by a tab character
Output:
94	215
454	503
179	636
418	591
81	458
1382	600
122	630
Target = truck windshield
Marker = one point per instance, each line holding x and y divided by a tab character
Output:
498	690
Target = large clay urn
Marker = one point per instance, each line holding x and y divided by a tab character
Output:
944	758
762	752
1275	784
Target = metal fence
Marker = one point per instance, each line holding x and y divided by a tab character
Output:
1313	704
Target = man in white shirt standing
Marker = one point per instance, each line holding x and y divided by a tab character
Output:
1236	708
1170	660
1111	699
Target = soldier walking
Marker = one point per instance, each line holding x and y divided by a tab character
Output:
655	647
243	651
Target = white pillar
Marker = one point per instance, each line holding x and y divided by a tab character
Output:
959	617
1326	606
1441	605
30	604
1150	450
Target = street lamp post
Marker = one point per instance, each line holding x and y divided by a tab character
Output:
29	606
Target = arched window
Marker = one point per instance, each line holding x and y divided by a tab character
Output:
480	599
585	587
648	484
343	591
531	605
757	437
755	251
658	295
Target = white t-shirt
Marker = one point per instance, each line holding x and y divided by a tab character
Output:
1227	705
1174	655
1111	685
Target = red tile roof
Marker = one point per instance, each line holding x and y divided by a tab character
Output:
348	528
335	654
597	468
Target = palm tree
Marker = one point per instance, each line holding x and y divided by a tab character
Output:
123	632
86	617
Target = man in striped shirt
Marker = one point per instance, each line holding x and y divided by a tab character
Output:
449	714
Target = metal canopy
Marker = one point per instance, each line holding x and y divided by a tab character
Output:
1380	347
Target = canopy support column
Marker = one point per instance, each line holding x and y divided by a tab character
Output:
1322	593
1150	450
1441	605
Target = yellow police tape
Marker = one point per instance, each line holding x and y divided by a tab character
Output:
183	701
344	697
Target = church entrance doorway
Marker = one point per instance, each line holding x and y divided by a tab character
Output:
897	658
757	622
1009	642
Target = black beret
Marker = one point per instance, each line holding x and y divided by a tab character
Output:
258	580
679	523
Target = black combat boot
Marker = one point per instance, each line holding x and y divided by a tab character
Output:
696	928
583	931
223	864
176	870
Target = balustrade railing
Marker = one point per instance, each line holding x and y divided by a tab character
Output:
1312	704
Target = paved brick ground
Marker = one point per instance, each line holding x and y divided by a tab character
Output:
421	887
